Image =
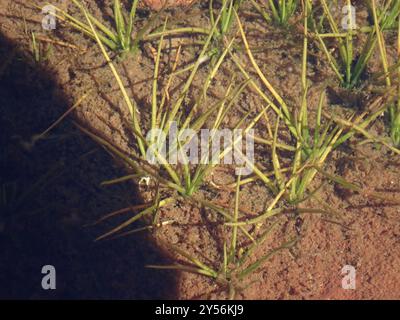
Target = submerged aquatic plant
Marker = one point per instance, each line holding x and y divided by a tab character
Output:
395	124
235	265
394	110
393	107
39	53
290	182
184	179
349	66
122	39
280	11
313	143
227	15
283	10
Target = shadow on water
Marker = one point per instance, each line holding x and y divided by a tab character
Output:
50	191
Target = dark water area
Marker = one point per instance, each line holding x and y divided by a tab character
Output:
50	191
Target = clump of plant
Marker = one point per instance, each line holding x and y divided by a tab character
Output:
182	179
394	113
235	265
393	106
349	65
227	15
280	11
122	39
394	109
39	52
313	142
224	26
